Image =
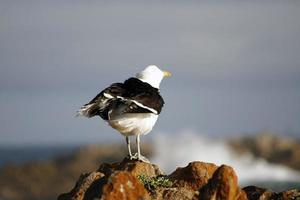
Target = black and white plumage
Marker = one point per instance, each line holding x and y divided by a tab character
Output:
132	107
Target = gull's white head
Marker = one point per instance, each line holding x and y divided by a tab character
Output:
152	75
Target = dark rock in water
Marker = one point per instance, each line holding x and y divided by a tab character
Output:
254	193
198	180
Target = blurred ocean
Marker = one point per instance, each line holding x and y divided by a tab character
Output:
21	155
183	147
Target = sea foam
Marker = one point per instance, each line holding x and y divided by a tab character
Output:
177	150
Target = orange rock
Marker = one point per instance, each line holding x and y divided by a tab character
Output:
193	176
181	193
83	188
222	185
123	185
132	166
242	195
290	194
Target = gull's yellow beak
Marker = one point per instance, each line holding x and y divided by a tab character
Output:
167	74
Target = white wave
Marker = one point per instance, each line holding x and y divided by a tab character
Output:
177	150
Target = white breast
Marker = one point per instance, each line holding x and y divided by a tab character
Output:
132	123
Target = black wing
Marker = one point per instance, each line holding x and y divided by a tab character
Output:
101	104
133	95
143	94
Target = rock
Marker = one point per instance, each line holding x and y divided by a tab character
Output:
222	185
133	167
113	181
290	194
254	193
179	193
193	176
198	180
85	188
123	185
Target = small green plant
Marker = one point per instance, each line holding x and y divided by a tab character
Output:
151	183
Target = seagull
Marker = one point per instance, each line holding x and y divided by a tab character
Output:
132	107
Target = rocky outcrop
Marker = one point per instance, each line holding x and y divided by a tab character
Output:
113	181
138	180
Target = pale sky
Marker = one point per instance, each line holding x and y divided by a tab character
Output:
236	66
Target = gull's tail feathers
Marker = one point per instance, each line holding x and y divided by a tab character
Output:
88	110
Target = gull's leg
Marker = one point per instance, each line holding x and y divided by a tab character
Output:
128	146
138	147
139	156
